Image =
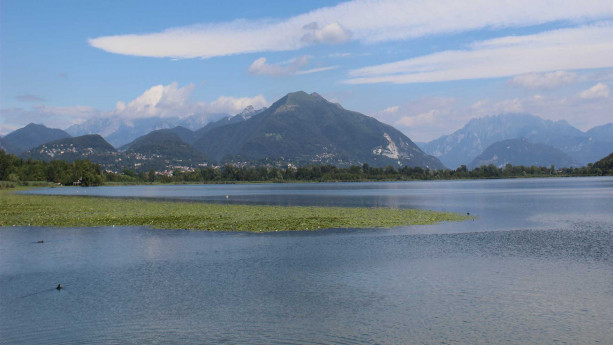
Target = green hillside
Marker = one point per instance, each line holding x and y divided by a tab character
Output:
307	129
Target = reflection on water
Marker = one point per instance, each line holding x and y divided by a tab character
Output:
547	281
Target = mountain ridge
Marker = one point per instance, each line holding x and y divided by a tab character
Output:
307	129
32	135
90	146
522	152
463	145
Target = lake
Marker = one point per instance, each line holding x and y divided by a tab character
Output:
535	267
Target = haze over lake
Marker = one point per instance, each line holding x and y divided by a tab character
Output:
534	267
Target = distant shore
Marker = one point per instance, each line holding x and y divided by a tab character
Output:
76	211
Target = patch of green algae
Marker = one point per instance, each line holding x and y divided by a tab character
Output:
75	211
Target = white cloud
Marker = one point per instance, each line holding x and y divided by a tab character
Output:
486	107
549	80
333	33
158	101
574	109
261	67
565	49
363	20
339	55
318	69
390	110
425	118
292	67
56	117
233	105
174	101
419	119
599	90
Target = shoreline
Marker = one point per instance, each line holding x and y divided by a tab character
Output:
45	184
75	211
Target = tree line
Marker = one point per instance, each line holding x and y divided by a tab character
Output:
16	170
86	173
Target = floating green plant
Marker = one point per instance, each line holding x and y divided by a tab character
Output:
75	211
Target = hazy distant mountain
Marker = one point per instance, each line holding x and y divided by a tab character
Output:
522	152
185	134
307	129
6	146
31	136
465	144
601	133
119	132
92	147
246	114
420	144
163	149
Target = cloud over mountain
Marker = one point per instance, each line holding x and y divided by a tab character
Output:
160	101
599	90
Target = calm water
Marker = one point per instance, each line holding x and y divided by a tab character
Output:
536	267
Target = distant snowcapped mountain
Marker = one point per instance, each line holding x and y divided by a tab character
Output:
246	114
119	132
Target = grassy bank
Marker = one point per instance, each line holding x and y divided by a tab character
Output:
71	211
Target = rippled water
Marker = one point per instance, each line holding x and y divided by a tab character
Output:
535	268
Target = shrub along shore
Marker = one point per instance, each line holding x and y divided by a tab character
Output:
75	211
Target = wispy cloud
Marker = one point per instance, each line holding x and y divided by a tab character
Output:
262	67
545	80
30	98
158	101
56	117
426	118
292	67
366	21
318	69
583	47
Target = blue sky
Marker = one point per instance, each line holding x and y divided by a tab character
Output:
425	67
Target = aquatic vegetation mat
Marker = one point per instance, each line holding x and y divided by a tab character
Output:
71	211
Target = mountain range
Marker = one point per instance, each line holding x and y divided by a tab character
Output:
31	136
119	131
462	146
522	152
304	129
298	129
92	147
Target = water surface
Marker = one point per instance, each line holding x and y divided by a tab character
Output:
505	204
535	268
